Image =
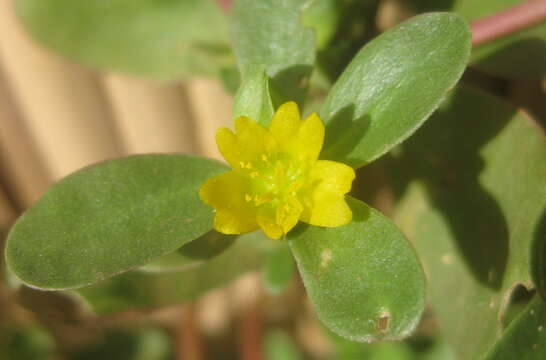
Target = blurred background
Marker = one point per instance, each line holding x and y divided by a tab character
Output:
57	116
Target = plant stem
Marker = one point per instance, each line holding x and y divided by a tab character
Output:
250	333
189	342
508	21
225	4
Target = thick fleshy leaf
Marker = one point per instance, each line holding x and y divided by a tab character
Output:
473	184
269	33
525	338
341	29
521	54
137	289
253	98
392	85
160	39
324	16
538	255
109	218
193	254
278	268
364	278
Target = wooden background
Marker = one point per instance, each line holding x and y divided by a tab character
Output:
57	116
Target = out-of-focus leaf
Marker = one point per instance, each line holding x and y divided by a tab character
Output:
472	185
231	79
437	349
142	344
3	274
418	347
139	289
525	338
392	86
269	33
279	268
110	218
324	17
521	54
26	343
253	98
193	254
363	278
160	39
388	350
279	346
341	29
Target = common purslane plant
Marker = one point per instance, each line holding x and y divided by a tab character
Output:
360	272
170	227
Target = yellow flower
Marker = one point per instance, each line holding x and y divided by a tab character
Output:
276	177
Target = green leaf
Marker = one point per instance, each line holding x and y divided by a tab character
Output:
110	218
419	347
521	54
123	343
341	28
525	338
279	346
253	98
3	273
472	184
269	33
138	289
26	343
193	254
278	269
538	255
364	278
392	86
160	39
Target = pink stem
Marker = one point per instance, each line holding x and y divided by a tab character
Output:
225	4
508	21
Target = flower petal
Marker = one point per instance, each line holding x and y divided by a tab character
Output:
226	193
311	137
328	209
254	140
266	219
288	213
286	123
324	204
229	222
332	176
229	146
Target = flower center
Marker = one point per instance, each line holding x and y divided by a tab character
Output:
274	178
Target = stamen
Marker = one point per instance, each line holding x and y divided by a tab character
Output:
258	200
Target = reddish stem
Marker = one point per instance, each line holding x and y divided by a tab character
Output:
508	21
225	4
250	333
189	342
